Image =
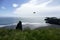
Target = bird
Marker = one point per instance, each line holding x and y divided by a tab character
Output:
34	12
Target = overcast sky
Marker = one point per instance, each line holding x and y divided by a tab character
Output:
25	8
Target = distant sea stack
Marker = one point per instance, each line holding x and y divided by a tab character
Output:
19	25
53	20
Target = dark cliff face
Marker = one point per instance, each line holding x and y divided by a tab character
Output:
52	20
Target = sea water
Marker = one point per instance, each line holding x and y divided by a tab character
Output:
31	22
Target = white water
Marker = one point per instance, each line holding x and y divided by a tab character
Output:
25	25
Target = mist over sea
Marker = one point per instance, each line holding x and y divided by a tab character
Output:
32	22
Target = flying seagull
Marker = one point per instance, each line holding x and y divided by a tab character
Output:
34	12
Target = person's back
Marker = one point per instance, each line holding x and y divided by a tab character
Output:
19	25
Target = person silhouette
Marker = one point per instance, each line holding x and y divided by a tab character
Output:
19	25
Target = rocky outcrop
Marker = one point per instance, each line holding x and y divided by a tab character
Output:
52	20
19	25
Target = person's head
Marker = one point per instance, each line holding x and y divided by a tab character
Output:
19	21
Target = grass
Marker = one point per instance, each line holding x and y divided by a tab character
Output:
37	34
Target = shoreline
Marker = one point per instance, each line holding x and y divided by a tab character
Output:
31	26
24	25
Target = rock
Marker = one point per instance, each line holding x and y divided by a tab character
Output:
52	20
19	25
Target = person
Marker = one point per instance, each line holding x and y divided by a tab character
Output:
19	25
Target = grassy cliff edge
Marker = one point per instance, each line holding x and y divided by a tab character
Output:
37	34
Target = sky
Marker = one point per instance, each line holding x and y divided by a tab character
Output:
26	8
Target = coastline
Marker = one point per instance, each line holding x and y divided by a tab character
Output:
24	25
30	25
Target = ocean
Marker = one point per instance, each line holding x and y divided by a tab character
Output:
32	22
